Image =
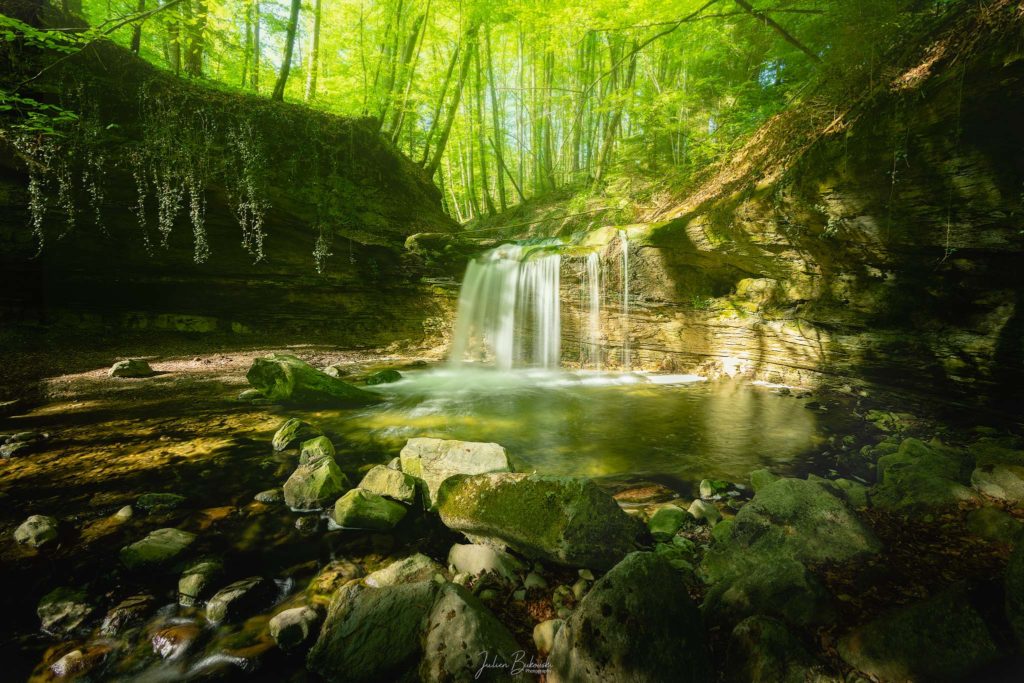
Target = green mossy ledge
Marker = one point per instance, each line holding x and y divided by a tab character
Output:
286	379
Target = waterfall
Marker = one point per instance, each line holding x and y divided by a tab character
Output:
624	241
592	285
510	310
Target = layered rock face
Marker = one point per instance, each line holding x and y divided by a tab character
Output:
172	207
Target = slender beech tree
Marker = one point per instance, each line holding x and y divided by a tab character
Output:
289	48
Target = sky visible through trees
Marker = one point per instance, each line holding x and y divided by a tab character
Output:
503	101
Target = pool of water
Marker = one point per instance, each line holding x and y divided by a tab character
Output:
675	427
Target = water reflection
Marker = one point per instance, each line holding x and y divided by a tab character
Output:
590	423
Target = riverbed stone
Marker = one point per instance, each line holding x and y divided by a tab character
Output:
13	449
461	635
36	531
359	509
569	521
435	460
174	640
158	549
198	579
63	610
159	502
762	650
373	634
476	559
389	483
133	367
544	635
410	569
666	521
709	488
636	623
315	484
270	497
77	664
283	378
293	627
250	395
1003	482
384	377
129	612
316	448
703	511
943	638
292	433
240	598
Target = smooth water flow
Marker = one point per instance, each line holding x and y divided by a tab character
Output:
624	241
591	277
510	310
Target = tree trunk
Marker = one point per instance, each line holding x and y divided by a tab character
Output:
256	45
482	135
497	111
440	105
393	59
409	61
611	130
453	107
289	48
314	55
247	51
137	29
772	24
196	38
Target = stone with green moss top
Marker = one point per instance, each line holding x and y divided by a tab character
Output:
286	379
435	460
762	478
316	448
159	502
666	521
417	567
315	484
359	509
197	579
384	377
133	367
564	520
389	483
293	432
160	548
63	610
922	478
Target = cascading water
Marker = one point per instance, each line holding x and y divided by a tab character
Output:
624	242
592	288
510	310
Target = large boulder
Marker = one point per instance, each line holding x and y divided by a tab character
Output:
1004	482
133	367
463	641
944	638
637	623
373	634
286	379
434	460
360	509
390	483
794	519
37	530
920	478
781	588
564	520
315	484
158	549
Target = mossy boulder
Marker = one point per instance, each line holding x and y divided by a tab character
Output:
994	524
666	521
944	638
389	483
796	519
1003	482
921	478
434	460
197	580
287	379
133	367
160	548
559	519
359	509
373	634
637	623
292	433
315	448
63	610
762	478
315	484
780	587
384	377
460	633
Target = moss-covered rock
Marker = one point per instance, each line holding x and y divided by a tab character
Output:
762	650
389	483
994	525
160	548
315	448
63	610
560	519
666	521
197	580
133	367
762	478
315	484
1004	482
776	586
292	433
359	509
159	502
637	623
384	377
434	460
944	638
920	478
373	634
287	379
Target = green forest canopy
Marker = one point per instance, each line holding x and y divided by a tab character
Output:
502	101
